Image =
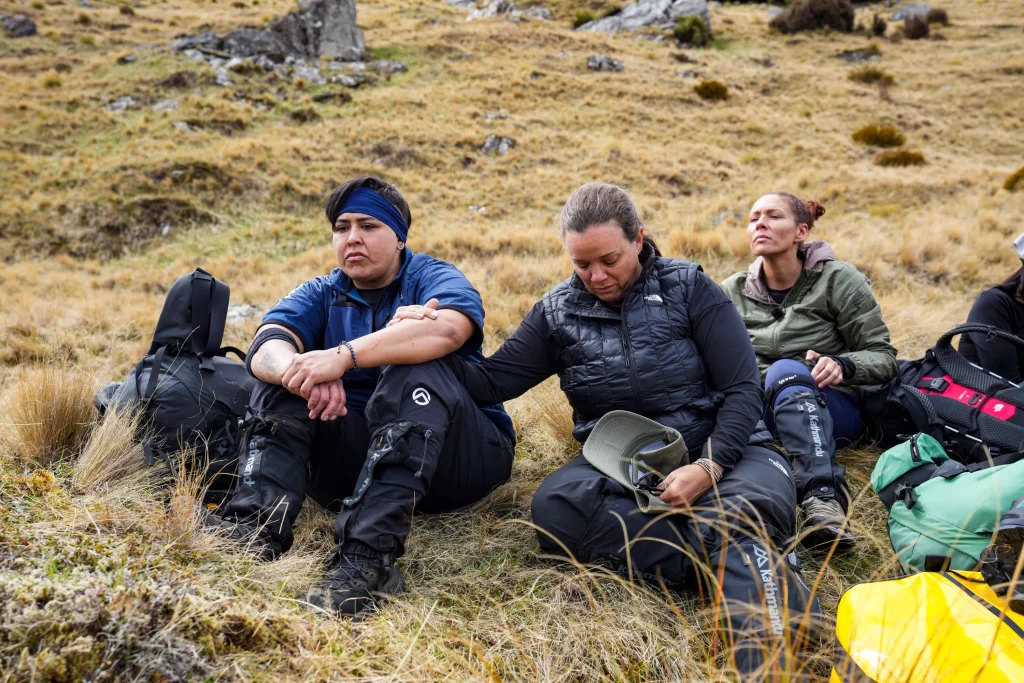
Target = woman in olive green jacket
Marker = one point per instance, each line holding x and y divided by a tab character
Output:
818	333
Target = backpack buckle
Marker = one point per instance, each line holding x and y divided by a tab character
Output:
938	385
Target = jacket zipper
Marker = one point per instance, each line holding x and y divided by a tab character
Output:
782	307
627	348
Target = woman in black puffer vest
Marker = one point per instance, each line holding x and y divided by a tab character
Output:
632	330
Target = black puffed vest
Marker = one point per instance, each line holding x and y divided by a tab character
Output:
639	357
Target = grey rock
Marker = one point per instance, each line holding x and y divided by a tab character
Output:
603	63
539	13
463	4
194	55
492	9
859	56
495	115
238	65
322	28
497	143
19	26
122	103
912	10
86	4
308	73
215	62
688	74
239	312
715	5
478	208
349	81
249	42
388	66
775	11
127	59
223	79
184	127
166	105
650	13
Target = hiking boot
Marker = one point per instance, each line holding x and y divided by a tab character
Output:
256	539
999	560
825	524
357	577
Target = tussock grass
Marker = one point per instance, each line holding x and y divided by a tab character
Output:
879	136
900	158
113	457
47	416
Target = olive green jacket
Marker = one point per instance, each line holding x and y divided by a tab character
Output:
830	309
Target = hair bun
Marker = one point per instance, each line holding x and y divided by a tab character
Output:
814	208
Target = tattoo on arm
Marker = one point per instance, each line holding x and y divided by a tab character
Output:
269	364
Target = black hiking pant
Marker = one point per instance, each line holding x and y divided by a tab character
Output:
421	443
734	533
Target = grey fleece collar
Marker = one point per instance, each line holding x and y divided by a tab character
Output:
814	255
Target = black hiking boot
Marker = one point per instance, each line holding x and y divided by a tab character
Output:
256	539
357	578
824	524
999	560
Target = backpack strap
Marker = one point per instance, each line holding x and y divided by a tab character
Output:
225	350
209	304
960	369
154	375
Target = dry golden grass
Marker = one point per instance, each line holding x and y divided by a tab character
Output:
98	564
47	413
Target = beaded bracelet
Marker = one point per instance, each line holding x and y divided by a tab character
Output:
352	352
709	467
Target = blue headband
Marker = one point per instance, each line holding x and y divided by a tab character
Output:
366	201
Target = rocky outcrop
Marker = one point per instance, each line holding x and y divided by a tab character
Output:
319	28
660	13
18	26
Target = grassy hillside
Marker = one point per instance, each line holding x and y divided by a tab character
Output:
100	578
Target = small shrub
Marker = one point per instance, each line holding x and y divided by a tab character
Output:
878	26
915	28
239	5
583	16
88	40
1016	181
712	90
127	11
83	19
611	11
38	4
691	30
879	136
304	115
52	81
937	15
870	75
899	158
811	15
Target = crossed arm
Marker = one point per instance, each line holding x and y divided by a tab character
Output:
316	375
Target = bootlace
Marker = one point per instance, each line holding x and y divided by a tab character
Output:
822	507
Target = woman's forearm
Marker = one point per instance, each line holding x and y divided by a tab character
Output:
271	360
414	341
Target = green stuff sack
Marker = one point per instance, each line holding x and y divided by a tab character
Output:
943	513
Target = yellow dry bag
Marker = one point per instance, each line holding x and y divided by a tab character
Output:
933	627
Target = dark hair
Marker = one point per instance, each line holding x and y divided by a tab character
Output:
386	190
804	210
597	203
1013	285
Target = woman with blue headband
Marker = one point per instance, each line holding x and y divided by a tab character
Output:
328	419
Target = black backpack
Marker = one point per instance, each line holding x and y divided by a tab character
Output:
193	395
975	414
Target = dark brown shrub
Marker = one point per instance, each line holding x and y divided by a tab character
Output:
1016	181
811	15
937	15
127	11
869	75
915	28
879	136
899	158
878	26
712	90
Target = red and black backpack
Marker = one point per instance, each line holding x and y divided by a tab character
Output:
975	414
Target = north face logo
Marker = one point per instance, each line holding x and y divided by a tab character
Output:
654	298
